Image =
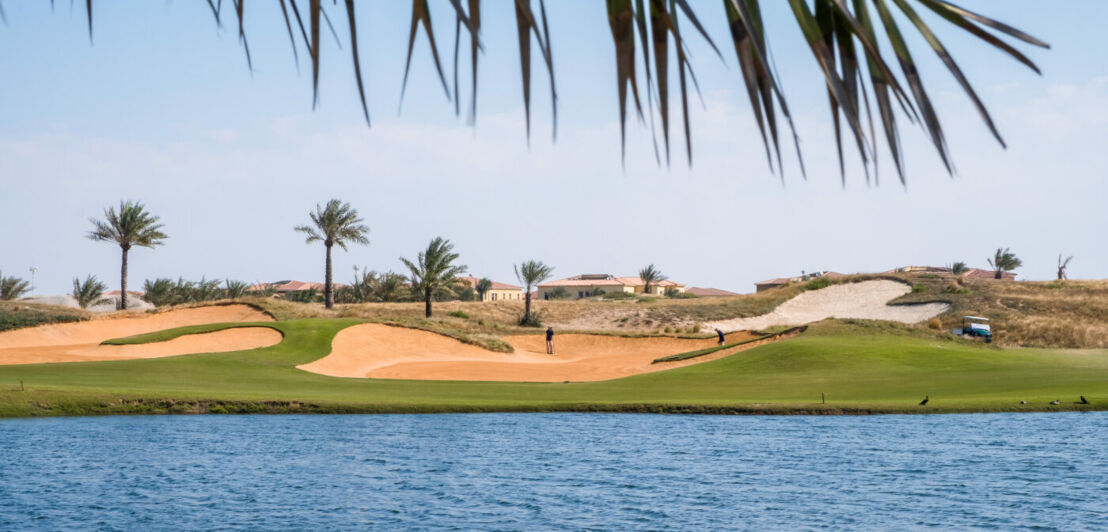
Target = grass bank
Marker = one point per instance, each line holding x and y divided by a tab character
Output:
858	370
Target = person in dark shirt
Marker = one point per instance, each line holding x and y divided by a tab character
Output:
720	334
550	340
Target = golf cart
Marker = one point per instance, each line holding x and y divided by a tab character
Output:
976	327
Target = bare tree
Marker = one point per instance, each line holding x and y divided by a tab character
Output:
1062	265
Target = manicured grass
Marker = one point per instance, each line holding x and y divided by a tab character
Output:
859	369
709	350
169	334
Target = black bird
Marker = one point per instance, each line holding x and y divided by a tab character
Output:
926	398
1084	401
1023	402
1055	402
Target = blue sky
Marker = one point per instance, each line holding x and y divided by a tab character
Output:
161	108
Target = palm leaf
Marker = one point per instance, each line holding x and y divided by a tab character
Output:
354	54
839	33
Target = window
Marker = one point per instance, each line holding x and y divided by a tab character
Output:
494	296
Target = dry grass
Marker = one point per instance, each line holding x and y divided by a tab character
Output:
1070	314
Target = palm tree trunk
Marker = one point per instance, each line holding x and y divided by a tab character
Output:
427	302
527	306
123	282
999	274
328	286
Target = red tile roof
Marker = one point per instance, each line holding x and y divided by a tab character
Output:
606	280
495	285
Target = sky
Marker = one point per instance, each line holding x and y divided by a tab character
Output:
161	108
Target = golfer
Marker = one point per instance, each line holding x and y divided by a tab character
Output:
720	334
550	340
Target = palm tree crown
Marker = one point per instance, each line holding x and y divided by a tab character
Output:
1004	261
131	226
434	268
334	223
649	276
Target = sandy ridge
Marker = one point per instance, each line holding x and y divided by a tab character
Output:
866	300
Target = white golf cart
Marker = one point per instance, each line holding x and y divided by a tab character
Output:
976	327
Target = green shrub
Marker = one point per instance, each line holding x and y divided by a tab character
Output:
620	295
955	288
459	314
534	320
920	288
817	283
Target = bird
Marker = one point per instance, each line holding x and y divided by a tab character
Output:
925	399
1084	401
1023	402
1055	402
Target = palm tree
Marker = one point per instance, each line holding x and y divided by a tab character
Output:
650	275
530	274
483	287
958	268
89	292
1003	261
334	223
12	287
1062	265
434	269
844	38
391	287
131	226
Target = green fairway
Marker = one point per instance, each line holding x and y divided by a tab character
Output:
857	369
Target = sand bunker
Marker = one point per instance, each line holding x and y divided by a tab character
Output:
72	342
384	352
239	339
867	300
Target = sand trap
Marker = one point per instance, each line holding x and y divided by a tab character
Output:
106	328
77	341
384	352
867	300
224	341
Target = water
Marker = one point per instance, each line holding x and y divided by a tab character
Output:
555	471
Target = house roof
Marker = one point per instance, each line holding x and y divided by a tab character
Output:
971	273
495	285
605	280
811	275
709	292
977	273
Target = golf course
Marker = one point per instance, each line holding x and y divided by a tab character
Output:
373	365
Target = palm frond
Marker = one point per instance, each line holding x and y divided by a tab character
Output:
842	35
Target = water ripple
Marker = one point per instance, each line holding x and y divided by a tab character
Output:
556	471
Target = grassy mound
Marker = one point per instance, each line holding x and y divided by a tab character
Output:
857	369
18	314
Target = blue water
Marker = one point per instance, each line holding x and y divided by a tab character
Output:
555	471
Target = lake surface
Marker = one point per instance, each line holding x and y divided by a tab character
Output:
555	471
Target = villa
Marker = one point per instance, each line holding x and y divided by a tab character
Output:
588	285
498	291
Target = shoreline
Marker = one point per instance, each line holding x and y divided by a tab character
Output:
33	407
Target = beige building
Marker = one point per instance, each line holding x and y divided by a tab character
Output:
589	285
498	291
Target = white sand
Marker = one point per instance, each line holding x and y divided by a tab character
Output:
867	300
